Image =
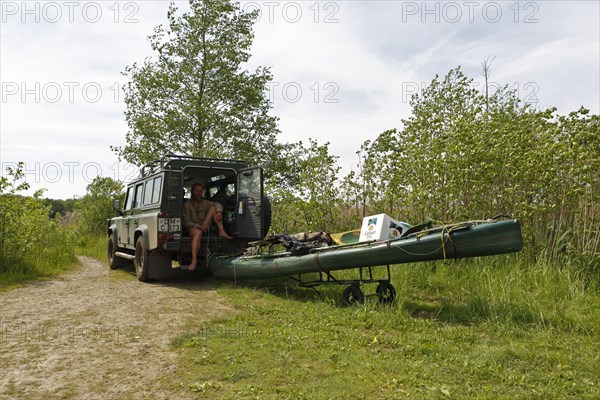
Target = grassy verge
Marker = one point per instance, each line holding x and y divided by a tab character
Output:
95	247
56	256
488	328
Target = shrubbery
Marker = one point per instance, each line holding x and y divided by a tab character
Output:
31	243
462	155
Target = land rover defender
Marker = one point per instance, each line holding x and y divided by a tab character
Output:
149	231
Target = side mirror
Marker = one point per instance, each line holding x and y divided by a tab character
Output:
117	206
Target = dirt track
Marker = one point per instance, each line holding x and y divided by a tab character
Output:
98	334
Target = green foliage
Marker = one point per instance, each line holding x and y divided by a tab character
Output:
195	97
31	244
462	156
310	201
60	207
24	220
96	207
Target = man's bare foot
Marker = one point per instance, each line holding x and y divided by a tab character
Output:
190	267
224	235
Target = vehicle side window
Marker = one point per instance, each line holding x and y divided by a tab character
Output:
129	200
148	192
230	190
156	191
138	196
250	185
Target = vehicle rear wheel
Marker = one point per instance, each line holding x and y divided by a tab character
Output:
141	260
114	261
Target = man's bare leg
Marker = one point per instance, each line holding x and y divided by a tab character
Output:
217	216
196	238
219	223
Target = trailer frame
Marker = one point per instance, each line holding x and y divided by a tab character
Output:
353	294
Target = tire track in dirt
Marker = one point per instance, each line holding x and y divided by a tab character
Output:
94	333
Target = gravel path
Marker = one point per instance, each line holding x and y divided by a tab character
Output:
98	334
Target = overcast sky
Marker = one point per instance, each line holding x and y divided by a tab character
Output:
343	70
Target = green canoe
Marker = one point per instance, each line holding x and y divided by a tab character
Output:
460	240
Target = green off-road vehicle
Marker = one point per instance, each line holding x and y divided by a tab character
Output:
149	229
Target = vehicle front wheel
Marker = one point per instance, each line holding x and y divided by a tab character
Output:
141	260
114	261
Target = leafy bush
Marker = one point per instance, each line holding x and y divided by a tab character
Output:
31	243
95	208
463	155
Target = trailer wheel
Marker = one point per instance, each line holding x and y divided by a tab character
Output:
353	295
386	292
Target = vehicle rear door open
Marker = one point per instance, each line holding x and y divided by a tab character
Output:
172	197
249	208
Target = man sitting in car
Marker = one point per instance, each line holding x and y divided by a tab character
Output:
198	215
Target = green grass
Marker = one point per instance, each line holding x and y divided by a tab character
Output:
95	247
487	328
56	256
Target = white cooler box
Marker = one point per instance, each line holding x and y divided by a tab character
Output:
381	227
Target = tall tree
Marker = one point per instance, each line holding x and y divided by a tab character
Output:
195	97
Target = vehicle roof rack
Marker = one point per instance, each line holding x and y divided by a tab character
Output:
149	168
164	161
170	157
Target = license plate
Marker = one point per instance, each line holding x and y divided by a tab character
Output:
169	224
